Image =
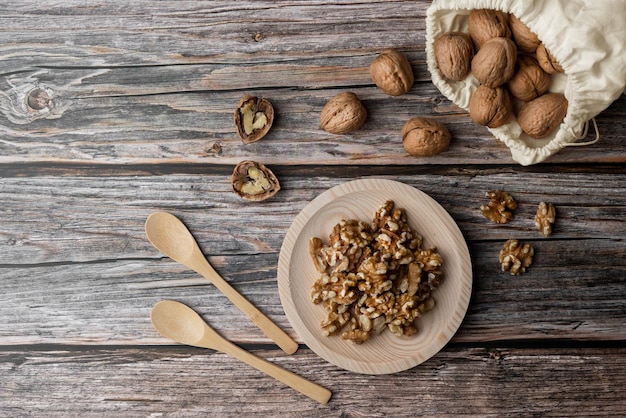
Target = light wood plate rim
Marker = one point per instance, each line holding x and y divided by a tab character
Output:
384	353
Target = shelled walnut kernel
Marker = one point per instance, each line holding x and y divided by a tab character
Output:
515	257
545	217
499	207
374	276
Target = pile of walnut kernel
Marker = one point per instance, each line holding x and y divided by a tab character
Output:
374	276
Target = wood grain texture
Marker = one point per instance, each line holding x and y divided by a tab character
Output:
140	119
181	381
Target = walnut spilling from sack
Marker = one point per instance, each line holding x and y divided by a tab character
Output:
515	257
545	217
499	207
374	276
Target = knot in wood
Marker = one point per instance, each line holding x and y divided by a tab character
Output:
38	99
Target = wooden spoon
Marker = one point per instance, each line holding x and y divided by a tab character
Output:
182	324
170	236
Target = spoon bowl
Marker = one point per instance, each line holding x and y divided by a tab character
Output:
170	236
180	323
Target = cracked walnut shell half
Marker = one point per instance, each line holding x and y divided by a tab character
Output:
254	181
253	118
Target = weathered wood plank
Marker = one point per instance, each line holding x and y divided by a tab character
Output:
84	219
571	292
151	84
191	382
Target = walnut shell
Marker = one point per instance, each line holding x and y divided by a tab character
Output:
342	114
253	118
454	52
494	64
549	64
254	181
539	117
526	40
392	72
490	107
530	81
425	137
485	24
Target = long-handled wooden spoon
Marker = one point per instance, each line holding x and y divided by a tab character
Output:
182	324
168	234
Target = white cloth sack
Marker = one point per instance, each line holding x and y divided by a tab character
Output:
588	39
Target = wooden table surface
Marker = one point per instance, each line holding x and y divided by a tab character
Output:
139	120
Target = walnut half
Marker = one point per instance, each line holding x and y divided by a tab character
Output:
515	257
254	181
499	207
253	118
545	217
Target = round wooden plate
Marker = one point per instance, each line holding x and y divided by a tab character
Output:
384	353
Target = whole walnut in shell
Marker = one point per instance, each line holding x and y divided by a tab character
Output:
485	24
530	81
392	72
490	107
494	64
342	114
549	64
425	137
539	117
526	40
453	53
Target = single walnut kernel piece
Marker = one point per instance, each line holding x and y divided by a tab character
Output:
549	64
342	114
525	39
515	257
374	276
485	24
254	181
454	52
545	217
499	207
425	137
253	118
539	117
490	107
530	81
392	72
494	64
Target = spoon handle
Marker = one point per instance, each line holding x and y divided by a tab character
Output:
299	383
280	337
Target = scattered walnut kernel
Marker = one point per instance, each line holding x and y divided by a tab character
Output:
374	276
515	257
496	209
545	218
253	118
254	181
